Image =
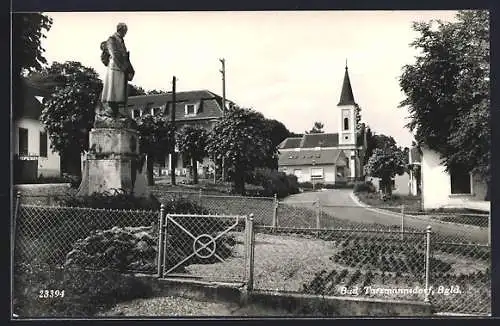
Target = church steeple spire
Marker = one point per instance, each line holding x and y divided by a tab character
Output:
346	96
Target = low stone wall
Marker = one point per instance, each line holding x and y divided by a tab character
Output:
298	304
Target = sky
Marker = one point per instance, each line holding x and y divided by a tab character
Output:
288	65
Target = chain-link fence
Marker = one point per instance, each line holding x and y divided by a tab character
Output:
94	238
307	246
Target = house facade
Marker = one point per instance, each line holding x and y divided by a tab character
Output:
328	158
200	108
33	157
454	189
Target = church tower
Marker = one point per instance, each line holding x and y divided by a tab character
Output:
347	124
347	114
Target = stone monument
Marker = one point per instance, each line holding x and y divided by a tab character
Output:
113	162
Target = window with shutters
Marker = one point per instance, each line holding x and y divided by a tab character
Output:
23	141
43	144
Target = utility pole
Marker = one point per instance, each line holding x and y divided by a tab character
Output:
173	156
223	72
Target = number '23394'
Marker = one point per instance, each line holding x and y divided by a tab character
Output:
51	294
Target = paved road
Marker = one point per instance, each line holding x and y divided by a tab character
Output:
338	203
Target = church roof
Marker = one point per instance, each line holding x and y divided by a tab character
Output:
320	140
310	156
292	142
311	141
346	96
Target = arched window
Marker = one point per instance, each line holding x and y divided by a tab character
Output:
346	124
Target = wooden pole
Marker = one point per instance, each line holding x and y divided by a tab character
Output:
223	72
173	156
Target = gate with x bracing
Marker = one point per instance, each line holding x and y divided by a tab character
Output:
205	247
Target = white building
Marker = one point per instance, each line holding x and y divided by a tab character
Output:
31	144
454	189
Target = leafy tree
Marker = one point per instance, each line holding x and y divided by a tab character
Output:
135	90
68	113
357	113
277	132
192	141
28	30
316	129
447	90
156	140
155	92
240	138
374	141
385	164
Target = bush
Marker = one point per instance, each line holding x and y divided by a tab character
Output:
53	240
85	292
119	200
366	186
274	182
306	185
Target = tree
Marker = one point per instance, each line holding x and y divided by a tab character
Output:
447	90
192	141
135	90
156	140
28	30
68	113
155	92
316	129
277	132
357	114
240	138
385	164
374	141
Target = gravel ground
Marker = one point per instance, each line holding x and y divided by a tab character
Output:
282	263
181	307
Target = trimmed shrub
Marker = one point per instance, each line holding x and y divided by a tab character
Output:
306	185
274	182
366	186
119	200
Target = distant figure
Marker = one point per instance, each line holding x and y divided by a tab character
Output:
120	71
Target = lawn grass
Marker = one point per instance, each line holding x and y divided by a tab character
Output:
411	203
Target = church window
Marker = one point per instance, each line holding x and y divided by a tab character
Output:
346	123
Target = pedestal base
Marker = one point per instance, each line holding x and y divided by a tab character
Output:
113	164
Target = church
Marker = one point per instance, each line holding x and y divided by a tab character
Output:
327	158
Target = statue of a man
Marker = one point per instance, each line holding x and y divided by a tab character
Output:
120	71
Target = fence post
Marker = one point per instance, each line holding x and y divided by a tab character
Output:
275	212
161	235
489	229
250	240
427	261
16	206
318	214
402	221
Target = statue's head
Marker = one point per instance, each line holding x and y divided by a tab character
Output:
121	29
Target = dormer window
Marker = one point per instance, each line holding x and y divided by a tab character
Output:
190	109
136	113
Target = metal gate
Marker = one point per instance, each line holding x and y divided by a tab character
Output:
209	247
